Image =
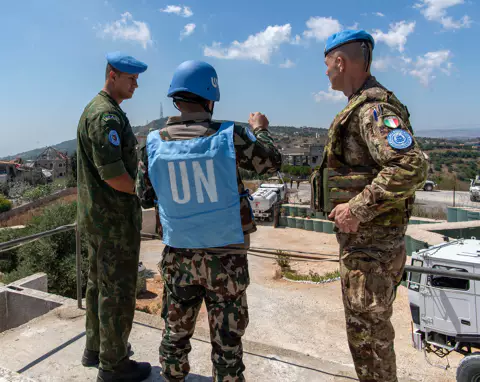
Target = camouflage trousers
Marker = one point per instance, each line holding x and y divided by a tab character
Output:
221	280
371	268
111	293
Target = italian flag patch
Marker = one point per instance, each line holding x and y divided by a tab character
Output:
391	122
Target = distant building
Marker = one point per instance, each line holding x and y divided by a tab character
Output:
54	161
296	156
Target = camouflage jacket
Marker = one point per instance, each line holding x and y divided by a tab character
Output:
106	148
359	139
260	156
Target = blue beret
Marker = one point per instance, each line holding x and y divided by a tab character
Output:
126	64
346	36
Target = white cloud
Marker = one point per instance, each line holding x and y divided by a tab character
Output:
187	30
379	14
329	96
297	40
287	64
425	66
129	29
322	27
382	64
258	47
436	10
178	10
397	35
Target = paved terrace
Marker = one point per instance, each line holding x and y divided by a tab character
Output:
296	331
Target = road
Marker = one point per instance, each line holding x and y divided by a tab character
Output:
441	199
445	198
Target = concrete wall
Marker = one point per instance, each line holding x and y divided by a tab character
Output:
24	305
3	306
20	304
149	221
38	281
37	203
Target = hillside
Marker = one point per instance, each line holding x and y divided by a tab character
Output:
453	161
71	145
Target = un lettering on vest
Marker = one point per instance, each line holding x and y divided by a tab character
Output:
201	181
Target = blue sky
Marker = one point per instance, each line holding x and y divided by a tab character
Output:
268	55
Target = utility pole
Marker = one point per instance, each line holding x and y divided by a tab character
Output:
454	186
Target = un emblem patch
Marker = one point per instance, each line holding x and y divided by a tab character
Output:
399	139
114	138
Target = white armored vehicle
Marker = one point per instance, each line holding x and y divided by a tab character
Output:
264	199
475	189
445	303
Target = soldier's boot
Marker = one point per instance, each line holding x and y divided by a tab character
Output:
90	357
130	371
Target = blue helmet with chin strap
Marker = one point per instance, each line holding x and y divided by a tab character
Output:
195	77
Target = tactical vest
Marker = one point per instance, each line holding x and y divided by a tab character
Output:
196	186
335	182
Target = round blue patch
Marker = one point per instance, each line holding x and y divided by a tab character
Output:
399	139
114	138
250	135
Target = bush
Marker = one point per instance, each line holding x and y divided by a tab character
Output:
37	193
71	182
5	204
54	255
296	171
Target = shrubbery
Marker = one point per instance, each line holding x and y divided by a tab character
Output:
54	255
5	204
297	170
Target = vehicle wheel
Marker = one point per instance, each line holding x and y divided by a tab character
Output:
469	369
472	198
428	187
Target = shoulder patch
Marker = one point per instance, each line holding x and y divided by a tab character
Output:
250	135
113	138
391	122
108	117
399	139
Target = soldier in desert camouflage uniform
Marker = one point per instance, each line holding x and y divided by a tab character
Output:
371	168
109	217
217	275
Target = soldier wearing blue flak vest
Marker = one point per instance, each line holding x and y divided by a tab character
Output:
190	167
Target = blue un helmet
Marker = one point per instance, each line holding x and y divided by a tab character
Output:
195	77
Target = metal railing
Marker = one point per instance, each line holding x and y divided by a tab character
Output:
15	243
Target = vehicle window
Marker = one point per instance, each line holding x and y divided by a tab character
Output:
449	282
415	277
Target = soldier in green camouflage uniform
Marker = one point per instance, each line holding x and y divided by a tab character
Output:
110	218
371	168
217	275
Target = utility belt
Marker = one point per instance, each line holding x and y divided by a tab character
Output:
333	186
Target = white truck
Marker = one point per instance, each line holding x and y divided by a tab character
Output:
475	189
265	198
444	296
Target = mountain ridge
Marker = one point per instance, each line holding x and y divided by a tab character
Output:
70	146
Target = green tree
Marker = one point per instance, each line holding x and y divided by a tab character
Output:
5	204
54	255
72	178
